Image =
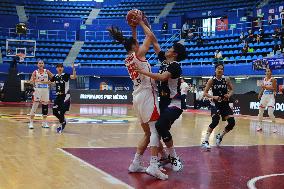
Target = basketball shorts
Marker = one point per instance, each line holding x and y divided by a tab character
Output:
41	95
267	100
145	105
222	109
61	103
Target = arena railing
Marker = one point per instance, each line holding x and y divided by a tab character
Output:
104	35
40	34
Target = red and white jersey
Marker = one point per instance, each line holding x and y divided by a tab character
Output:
41	76
267	82
140	81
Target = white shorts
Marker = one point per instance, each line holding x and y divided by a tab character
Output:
267	100
145	104
41	95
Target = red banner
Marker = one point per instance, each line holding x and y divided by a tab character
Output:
221	24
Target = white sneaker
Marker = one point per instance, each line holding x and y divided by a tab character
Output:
31	125
176	164
205	145
137	168
259	129
44	125
156	172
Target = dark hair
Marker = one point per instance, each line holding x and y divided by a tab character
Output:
117	35
180	50
218	64
59	65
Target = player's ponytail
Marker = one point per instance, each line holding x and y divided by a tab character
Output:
117	35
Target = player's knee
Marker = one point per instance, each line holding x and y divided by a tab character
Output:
215	121
271	111
231	123
163	130
44	109
166	136
34	108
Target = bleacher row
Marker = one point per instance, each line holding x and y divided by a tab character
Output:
107	53
151	7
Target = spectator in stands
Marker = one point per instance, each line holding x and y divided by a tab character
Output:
282	35
165	29
259	36
276	36
185	29
282	17
250	37
242	37
270	20
183	90
218	56
190	34
245	49
199	41
199	99
276	48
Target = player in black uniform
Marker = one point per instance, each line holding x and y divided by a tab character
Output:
169	90
62	101
222	90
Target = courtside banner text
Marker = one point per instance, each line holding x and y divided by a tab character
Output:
101	97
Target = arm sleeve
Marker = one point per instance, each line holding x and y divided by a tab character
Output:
175	70
161	56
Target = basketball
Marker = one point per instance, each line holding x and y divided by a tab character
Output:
133	17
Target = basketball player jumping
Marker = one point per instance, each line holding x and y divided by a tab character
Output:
222	90
62	101
267	98
169	90
41	92
144	97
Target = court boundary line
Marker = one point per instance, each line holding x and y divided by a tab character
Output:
95	168
238	145
251	182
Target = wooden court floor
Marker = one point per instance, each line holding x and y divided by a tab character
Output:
43	159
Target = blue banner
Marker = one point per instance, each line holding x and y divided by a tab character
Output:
272	63
275	63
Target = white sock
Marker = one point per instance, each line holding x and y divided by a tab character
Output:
223	133
154	160
137	158
207	136
172	152
164	154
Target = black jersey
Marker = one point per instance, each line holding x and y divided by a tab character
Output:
219	87
171	87
62	83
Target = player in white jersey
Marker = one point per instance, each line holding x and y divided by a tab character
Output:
267	98
41	92
144	98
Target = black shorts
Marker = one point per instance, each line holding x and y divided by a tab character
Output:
169	115
164	103
61	104
222	109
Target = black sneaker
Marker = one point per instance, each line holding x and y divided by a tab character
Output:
176	164
164	161
218	139
205	145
